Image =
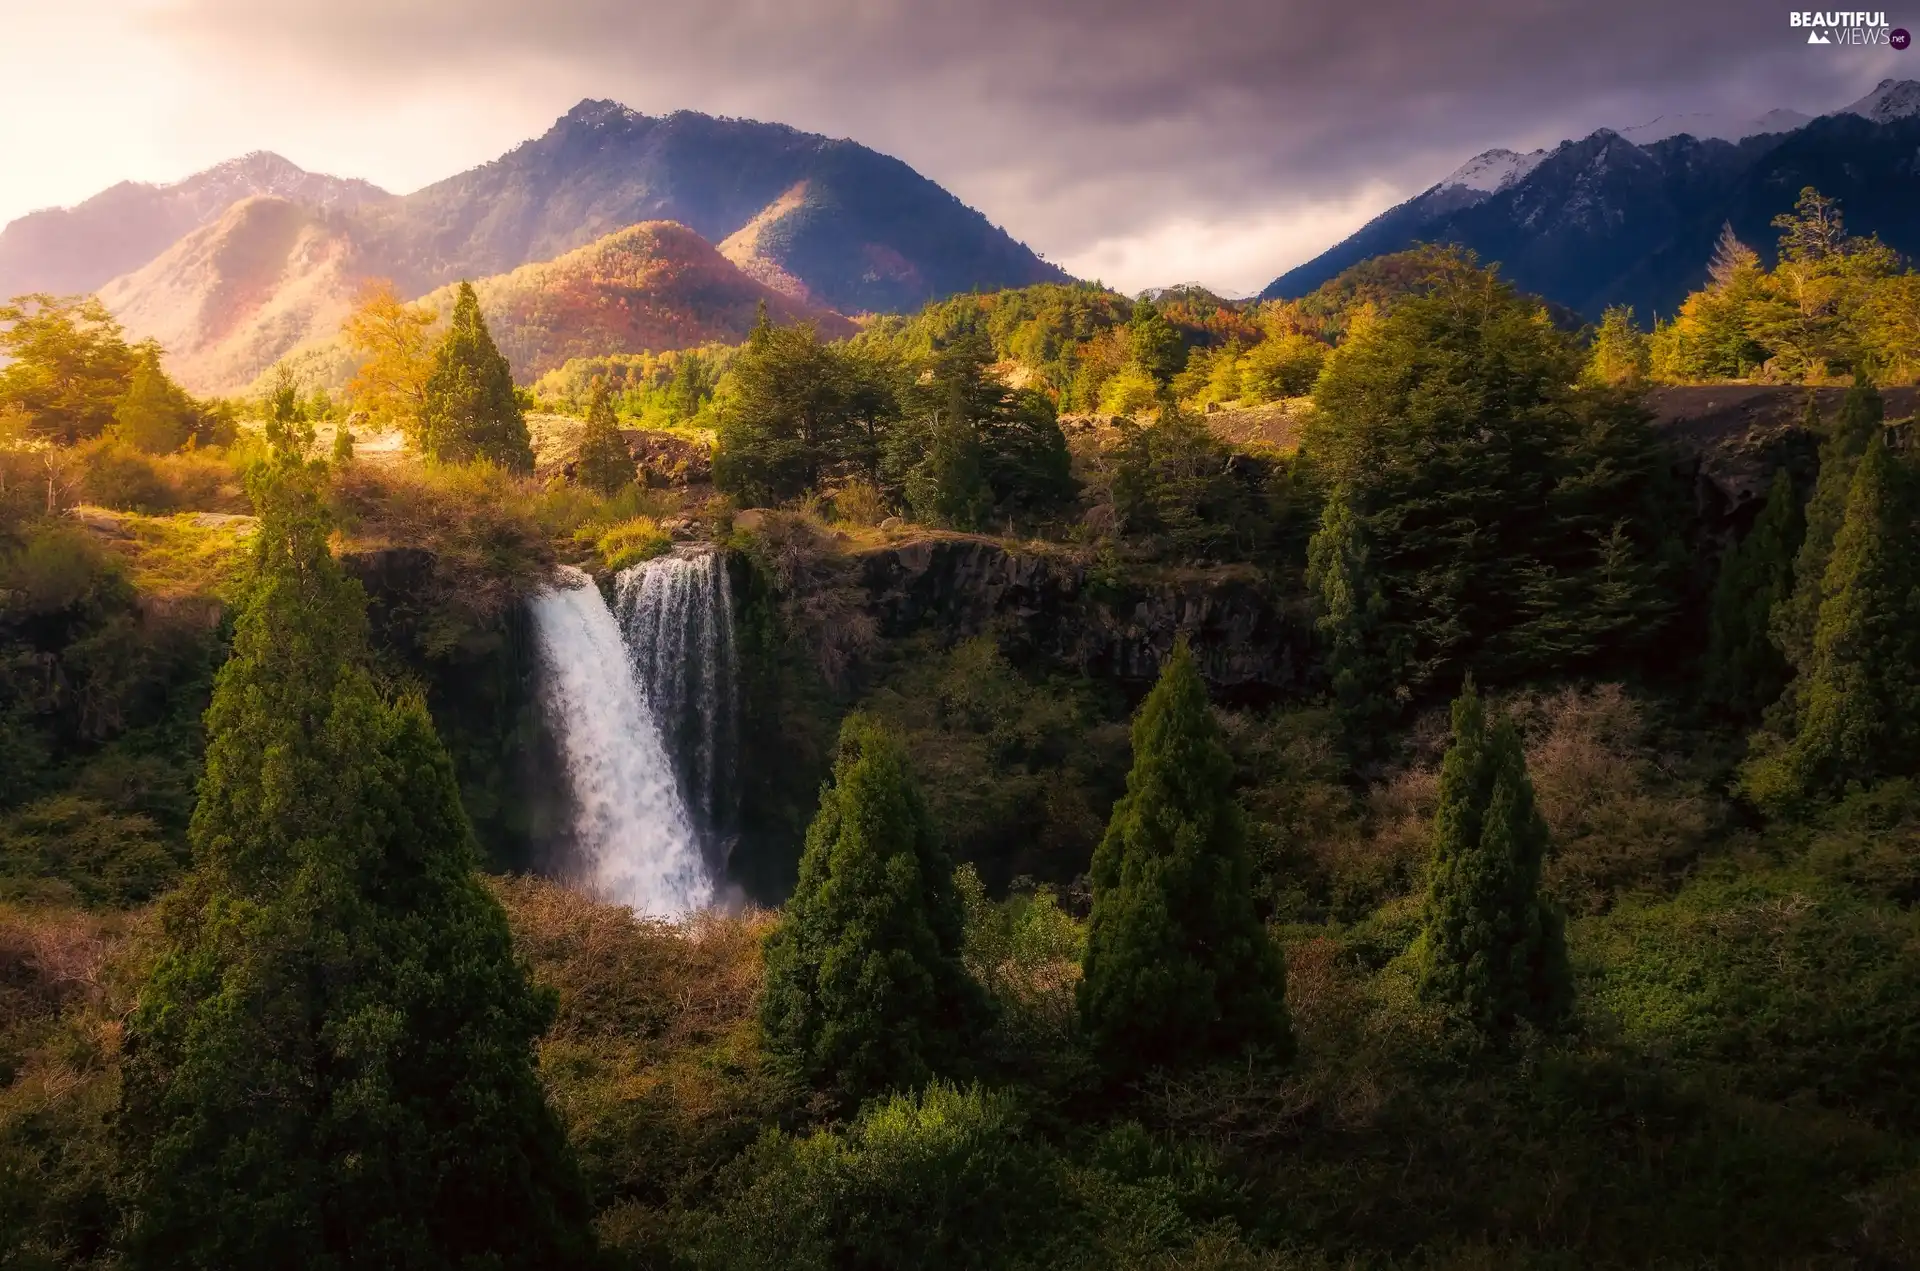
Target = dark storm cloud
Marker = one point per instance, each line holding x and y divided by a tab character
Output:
1079	121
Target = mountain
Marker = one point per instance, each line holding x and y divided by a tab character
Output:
824	220
77	249
1709	126
235	295
273	278
229	283
652	286
1608	220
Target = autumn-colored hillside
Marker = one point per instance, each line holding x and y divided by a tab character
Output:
652	286
235	295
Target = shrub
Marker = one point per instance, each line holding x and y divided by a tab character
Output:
1616	824
942	1177
117	476
653	1062
1773	981
1025	951
90	852
630	542
859	503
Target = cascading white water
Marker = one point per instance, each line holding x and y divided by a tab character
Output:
677	614
633	842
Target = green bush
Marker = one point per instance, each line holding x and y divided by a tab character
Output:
1777	983
92	853
940	1178
118	476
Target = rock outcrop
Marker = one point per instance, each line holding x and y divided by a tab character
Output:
664	460
1734	437
1253	643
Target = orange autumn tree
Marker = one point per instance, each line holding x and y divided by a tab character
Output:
393	339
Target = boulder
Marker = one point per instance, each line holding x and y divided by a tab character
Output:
664	460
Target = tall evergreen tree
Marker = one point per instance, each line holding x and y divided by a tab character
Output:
468	408
1155	343
865	990
1351	610
1178	966
332	1064
1746	671
1793	623
1515	523
1491	949
970	450
154	415
946	486
1860	708
798	412
603	462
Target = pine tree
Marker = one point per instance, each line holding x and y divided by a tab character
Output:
865	991
1155	343
603	462
1621	355
332	1063
1489	488
1860	708
154	415
1745	670
469	410
1491	949
1178	966
1793	623
947	487
1350	612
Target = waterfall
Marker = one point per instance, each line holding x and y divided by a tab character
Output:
677	614
633	841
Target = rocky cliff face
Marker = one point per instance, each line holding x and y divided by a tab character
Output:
1253	643
1734	437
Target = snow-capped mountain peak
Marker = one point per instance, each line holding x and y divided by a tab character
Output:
1493	170
1890	99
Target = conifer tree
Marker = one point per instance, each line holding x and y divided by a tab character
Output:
1793	623
947	487
1350	611
1621	356
332	1064
1745	670
468	409
865	989
1155	343
604	462
1860	707
1178	966
1491	949
154	415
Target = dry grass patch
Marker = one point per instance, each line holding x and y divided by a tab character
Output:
654	1061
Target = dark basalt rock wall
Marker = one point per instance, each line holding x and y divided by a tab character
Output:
1732	438
479	678
1253	642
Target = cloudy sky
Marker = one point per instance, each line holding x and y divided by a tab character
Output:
1138	141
